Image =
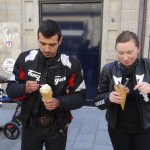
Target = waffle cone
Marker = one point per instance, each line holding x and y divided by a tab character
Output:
46	92
47	95
123	92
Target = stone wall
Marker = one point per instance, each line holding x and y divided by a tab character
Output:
147	33
118	15
30	23
10	34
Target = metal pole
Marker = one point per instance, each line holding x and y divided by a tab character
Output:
142	24
149	48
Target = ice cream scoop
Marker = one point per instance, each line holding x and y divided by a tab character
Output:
46	92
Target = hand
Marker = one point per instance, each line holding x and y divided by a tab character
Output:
115	97
143	87
51	104
31	86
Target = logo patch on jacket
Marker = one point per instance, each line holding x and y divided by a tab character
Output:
59	79
34	74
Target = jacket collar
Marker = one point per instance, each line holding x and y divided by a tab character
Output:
49	60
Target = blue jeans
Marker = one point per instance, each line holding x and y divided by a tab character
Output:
35	138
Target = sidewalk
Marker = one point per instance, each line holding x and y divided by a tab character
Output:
88	130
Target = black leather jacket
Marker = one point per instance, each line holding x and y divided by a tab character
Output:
65	77
106	85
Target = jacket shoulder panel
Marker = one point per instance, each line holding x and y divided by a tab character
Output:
30	55
69	61
65	60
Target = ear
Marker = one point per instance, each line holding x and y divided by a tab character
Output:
60	41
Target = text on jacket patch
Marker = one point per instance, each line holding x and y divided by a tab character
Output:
59	79
34	74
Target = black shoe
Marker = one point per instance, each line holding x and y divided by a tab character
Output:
1	128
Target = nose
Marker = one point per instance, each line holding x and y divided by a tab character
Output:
125	57
47	48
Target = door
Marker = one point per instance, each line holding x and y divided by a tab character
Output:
81	30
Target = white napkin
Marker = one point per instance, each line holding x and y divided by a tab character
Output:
139	79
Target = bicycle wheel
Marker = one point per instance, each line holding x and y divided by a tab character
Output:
11	130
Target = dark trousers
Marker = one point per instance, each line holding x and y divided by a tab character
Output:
35	138
129	140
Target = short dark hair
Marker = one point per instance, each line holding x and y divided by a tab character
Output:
49	28
126	36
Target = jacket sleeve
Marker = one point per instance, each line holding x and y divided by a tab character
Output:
76	89
102	96
16	86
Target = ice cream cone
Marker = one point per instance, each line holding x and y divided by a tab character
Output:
123	92
46	92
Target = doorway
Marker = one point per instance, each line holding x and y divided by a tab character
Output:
81	29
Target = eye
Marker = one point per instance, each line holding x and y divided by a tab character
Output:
53	44
120	53
130	52
42	43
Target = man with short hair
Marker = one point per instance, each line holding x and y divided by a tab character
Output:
46	122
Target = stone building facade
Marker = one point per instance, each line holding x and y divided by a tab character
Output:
19	20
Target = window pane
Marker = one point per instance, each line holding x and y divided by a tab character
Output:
81	30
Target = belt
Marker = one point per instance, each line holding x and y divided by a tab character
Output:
44	121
